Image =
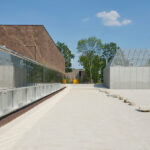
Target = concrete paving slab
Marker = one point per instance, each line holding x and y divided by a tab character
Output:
79	118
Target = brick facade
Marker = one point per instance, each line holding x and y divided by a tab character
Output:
34	42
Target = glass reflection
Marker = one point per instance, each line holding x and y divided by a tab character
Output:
17	72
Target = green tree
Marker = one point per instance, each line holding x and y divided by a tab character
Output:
89	48
96	65
109	50
66	52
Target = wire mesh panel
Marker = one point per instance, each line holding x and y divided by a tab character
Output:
129	69
131	57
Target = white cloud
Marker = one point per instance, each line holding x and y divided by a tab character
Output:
111	18
126	21
85	20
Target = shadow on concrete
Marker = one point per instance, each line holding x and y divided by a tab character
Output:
99	86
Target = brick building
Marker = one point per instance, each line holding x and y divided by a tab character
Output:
28	56
34	42
77	74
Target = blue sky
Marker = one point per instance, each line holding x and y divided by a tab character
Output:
126	22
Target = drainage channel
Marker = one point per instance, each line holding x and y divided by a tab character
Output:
11	116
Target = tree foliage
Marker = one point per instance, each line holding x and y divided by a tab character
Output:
94	56
66	52
90	45
89	48
109	50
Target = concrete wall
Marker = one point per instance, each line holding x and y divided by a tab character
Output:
128	78
107	77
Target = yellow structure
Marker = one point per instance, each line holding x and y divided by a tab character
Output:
64	81
75	81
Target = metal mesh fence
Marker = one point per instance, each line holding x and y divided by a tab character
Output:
129	69
131	57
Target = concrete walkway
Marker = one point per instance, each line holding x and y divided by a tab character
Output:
78	118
